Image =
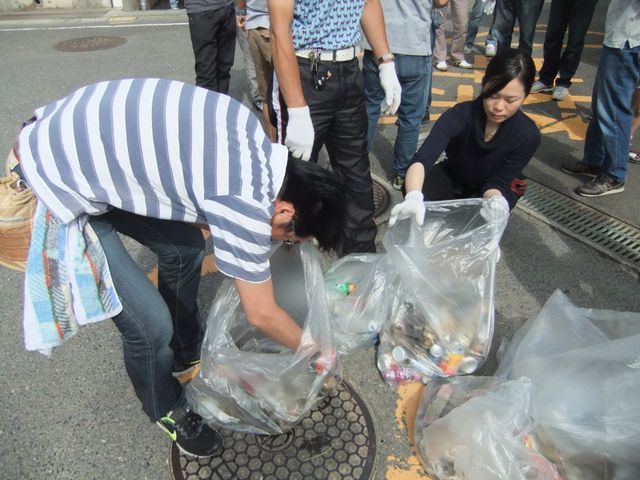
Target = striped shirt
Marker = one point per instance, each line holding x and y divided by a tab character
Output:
161	149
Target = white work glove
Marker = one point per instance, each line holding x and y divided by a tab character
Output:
391	86
494	208
299	133
489	6
413	205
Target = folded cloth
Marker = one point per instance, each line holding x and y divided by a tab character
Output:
67	281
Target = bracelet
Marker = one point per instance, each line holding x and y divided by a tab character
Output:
241	12
385	58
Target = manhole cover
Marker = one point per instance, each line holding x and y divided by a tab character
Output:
380	198
335	441
88	44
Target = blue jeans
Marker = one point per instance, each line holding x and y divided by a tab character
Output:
607	142
415	78
504	19
576	16
158	326
475	17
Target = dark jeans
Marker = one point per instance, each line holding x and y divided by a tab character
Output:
158	326
339	121
576	15
504	18
213	38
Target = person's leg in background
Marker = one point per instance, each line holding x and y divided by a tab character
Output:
440	40
473	25
250	69
556	28
414	78
459	18
260	48
527	12
580	15
226	41
504	18
606	147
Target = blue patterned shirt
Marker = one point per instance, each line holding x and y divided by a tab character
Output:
326	24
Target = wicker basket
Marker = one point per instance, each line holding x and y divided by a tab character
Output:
16	213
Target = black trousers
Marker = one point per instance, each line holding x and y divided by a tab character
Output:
213	38
576	16
340	124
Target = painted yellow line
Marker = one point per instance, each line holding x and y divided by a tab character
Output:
409	467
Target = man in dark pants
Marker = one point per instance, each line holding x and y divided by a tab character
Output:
576	16
504	19
212	24
319	97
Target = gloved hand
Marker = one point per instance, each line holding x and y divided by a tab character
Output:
299	133
413	204
494	208
489	6
391	86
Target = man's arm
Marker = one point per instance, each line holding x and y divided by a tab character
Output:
282	52
372	23
263	313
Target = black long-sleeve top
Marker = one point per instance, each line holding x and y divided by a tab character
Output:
474	165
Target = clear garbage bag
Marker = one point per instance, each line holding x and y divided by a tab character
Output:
479	428
248	382
442	312
567	390
358	287
585	368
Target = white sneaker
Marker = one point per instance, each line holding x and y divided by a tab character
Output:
442	66
560	92
463	64
539	86
490	50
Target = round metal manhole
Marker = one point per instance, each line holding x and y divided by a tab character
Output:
381	198
89	44
336	441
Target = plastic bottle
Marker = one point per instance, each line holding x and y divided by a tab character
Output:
401	374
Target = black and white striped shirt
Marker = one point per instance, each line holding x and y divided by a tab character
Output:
161	149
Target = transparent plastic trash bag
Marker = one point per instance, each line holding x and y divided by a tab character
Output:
358	287
442	312
585	368
479	428
248	382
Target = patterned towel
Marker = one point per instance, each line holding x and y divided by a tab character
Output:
67	282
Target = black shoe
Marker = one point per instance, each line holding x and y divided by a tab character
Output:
191	434
398	182
600	186
580	168
180	368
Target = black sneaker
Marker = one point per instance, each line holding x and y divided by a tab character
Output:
600	186
180	369
580	168
191	434
398	182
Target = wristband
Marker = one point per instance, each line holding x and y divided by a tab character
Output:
385	58
241	12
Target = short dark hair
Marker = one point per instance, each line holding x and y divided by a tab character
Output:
503	68
318	197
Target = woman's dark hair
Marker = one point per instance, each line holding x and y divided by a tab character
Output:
318	197
503	68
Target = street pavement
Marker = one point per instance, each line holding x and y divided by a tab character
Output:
75	416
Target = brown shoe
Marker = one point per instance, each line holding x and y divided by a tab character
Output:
581	168
600	186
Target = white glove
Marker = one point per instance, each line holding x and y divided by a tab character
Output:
494	208
391	86
489	6
413	204
299	133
